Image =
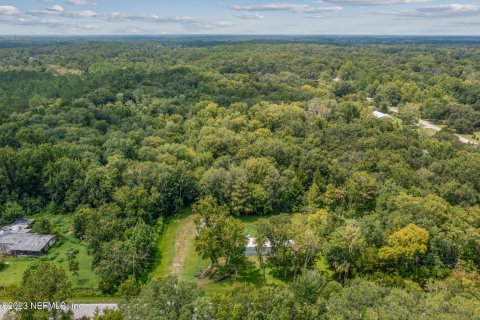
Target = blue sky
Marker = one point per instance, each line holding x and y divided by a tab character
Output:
381	17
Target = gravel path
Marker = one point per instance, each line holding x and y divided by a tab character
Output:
429	125
184	236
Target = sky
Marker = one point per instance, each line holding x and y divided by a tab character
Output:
308	17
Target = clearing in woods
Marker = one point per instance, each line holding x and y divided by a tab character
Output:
175	245
177	256
184	239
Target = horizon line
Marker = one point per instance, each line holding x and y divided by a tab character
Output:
239	35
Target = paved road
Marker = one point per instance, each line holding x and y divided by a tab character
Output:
82	310
429	125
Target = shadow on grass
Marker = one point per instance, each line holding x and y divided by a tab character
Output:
251	274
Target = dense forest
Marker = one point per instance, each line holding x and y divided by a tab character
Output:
120	135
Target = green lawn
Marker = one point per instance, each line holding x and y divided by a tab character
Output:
429	132
474	138
86	278
194	264
176	244
13	272
85	283
250	222
166	247
168	250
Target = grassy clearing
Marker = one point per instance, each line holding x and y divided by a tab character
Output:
428	131
250	222
176	246
94	299
176	256
85	283
86	278
193	265
177	241
166	246
185	239
473	138
13	272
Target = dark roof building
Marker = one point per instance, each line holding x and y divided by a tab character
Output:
16	240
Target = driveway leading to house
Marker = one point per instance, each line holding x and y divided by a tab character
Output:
185	237
428	125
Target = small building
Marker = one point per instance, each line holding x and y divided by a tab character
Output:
16	240
19	226
26	244
380	115
250	248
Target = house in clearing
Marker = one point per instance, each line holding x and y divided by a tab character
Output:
17	240
380	115
250	248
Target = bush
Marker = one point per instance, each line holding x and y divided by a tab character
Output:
9	212
50	257
72	253
2	264
42	226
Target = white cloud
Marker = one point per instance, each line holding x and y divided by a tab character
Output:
56	8
58	16
289	7
9	10
60	11
273	7
251	16
451	8
77	2
189	22
54	23
440	11
84	14
368	2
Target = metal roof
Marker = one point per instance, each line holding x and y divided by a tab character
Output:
25	241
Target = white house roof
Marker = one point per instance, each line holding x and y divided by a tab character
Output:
252	244
378	114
